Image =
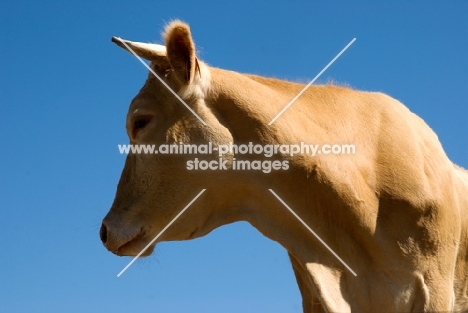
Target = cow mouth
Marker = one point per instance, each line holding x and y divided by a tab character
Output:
134	246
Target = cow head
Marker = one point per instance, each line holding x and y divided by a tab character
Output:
153	188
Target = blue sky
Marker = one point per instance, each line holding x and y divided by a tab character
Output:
65	93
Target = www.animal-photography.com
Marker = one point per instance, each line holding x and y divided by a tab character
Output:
234	157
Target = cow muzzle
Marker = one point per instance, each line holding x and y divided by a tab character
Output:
123	240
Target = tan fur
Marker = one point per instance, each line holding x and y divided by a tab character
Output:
396	211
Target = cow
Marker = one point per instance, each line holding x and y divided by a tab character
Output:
395	211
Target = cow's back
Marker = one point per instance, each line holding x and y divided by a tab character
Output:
420	204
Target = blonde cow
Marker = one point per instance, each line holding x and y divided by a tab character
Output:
395	211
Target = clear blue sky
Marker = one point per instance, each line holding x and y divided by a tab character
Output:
65	91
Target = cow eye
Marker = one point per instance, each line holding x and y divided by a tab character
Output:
139	123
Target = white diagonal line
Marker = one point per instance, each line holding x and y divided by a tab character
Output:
162	81
160	233
311	82
313	233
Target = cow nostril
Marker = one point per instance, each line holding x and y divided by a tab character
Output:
103	233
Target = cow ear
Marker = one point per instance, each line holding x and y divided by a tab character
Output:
181	51
152	52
